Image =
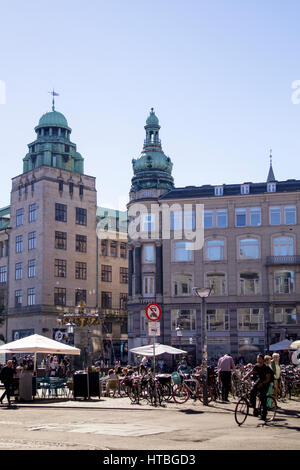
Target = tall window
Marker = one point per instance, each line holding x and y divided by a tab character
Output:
61	212
250	319
60	268
148	285
18	298
3	274
19	244
290	215
80	270
240	218
61	240
123	301
106	300
214	250
32	213
186	319
183	284
31	296
208	219
104	247
81	243
221	218
249	283
284	282
31	268
283	246
80	296
218	282
148	222
18	271
123	250
31	240
81	216
182	251
249	248
60	296
20	217
113	248
106	273
148	253
124	275
275	215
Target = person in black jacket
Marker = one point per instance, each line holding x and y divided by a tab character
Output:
7	375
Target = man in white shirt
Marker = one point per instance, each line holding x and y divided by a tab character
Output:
225	367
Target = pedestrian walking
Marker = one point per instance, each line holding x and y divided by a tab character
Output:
277	373
7	376
225	368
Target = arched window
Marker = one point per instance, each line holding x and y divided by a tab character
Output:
214	250
249	248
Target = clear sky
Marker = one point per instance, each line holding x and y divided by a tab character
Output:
218	73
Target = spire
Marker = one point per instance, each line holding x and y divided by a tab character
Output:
53	93
271	176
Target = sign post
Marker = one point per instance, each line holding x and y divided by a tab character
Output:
153	313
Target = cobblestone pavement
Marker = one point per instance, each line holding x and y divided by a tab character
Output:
116	424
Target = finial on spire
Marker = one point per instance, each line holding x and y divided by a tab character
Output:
53	93
271	176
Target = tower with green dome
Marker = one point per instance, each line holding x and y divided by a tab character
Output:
52	146
152	169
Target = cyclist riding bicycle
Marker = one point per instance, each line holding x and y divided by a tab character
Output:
264	376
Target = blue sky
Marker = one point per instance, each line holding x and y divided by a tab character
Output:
218	73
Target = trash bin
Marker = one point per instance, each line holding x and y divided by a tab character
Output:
25	385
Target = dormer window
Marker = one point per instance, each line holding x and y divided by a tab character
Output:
218	190
245	189
271	187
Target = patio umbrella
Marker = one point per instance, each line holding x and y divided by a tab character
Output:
249	347
281	345
158	348
295	344
38	344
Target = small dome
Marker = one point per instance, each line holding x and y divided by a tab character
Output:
53	118
152	119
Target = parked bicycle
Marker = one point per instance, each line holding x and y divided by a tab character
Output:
191	387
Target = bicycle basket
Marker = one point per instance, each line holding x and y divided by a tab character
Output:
176	378
164	379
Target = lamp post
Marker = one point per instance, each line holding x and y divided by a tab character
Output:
70	330
203	293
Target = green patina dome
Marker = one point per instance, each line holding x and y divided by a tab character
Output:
152	120
53	118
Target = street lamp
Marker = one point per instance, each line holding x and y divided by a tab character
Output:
70	331
203	293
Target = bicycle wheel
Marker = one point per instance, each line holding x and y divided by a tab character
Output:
134	395
241	411
166	392
271	408
210	394
180	394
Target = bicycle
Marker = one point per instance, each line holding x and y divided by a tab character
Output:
243	406
191	388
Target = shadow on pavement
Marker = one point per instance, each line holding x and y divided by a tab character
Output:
191	412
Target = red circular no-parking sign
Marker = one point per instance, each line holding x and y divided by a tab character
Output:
153	312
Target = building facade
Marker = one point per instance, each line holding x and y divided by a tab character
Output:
249	254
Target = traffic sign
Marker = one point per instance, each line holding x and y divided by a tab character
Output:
153	311
154	329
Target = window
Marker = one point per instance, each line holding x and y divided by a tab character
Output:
3	274
214	250
124	275
80	270
32	213
106	327
245	189
19	244
250	319
250	216
275	215
104	247
283	246
123	303
106	299
113	249
20	216
285	315
284	282
31	240
208	219
255	216
215	218
148	222
182	251
80	296
290	215
61	240
218	282
148	253
106	273
81	243
31	268
249	248
60	186
31	296
2	250
218	190
60	296
176	220
249	283
61	212
240	218
271	187
18	271
189	220
81	216
148	285
123	250
60	268
221	218
18	298
184	318
183	284
71	188
217	320
81	190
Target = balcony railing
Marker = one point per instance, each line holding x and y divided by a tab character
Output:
282	260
